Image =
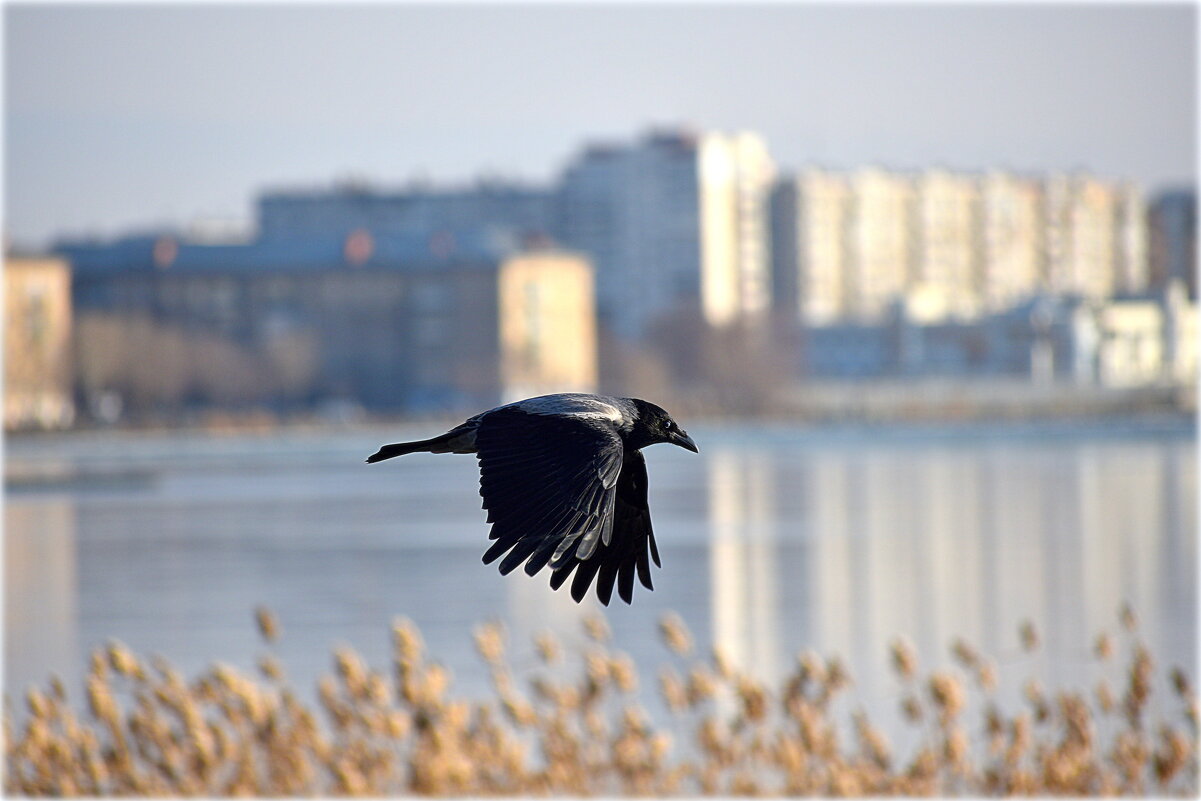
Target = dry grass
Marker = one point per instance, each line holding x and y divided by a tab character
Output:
150	731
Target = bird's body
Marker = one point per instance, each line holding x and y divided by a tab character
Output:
564	483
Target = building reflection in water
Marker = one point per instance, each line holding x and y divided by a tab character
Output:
40	591
840	550
743	561
771	545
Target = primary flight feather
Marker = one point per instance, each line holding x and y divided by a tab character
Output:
564	483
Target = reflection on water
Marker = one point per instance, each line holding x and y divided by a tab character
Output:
840	550
743	554
773	541
40	584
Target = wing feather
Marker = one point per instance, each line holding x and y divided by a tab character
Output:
625	556
547	482
561	491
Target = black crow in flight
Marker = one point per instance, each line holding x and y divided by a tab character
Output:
564	483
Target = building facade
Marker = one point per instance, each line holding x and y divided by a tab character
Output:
950	233
390	323
1173	239
1082	237
1013	265
1117	343
848	246
673	221
299	215
810	247
736	177
883	242
37	343
633	210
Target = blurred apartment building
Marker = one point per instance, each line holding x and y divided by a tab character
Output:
1012	239
38	372
385	295
847	246
1173	239
296	215
889	273
673	221
1137	340
454	321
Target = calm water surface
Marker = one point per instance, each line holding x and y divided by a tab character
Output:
774	540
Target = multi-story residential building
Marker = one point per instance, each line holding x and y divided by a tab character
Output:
1082	245
1131	234
1137	341
1173	239
1181	343
450	321
1013	259
1130	341
672	221
37	343
810	248
736	175
950	251
882	240
633	210
967	244
323	213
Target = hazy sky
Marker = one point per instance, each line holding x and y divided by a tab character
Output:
135	115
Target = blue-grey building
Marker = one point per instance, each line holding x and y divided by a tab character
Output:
403	322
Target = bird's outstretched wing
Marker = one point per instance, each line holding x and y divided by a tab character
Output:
549	485
627	552
558	491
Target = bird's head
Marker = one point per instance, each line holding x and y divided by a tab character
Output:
654	425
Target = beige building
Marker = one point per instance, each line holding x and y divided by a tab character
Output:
1082	242
37	343
882	242
847	247
950	252
1012	268
1130	348
386	326
811	217
547	325
1139	342
735	175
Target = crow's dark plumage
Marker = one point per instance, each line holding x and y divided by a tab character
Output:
564	483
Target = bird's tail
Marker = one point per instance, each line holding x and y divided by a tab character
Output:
460	439
401	448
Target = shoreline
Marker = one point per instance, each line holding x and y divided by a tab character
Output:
868	404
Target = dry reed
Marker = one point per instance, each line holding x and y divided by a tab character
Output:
148	731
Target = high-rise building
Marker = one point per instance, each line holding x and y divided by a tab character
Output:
297	215
736	175
672	221
1013	263
1131	236
951	244
398	322
950	250
810	249
1082	247
37	343
1173	239
633	210
882	240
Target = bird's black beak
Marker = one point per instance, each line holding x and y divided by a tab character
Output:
684	441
